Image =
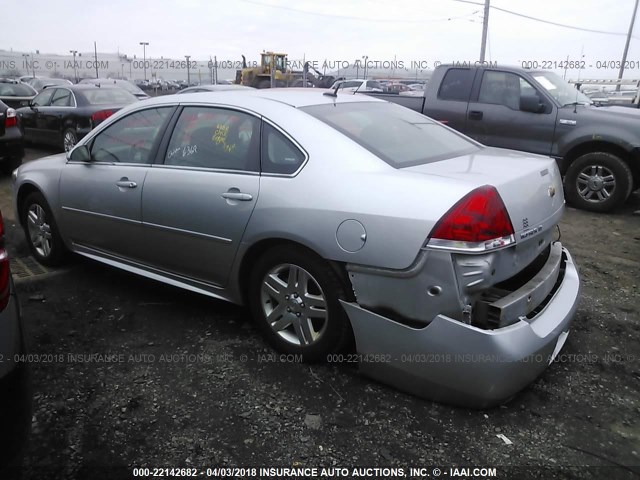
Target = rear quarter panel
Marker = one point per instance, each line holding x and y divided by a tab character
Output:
343	181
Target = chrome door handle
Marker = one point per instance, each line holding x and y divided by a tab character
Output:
245	197
126	184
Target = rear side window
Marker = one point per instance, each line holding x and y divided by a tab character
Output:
61	98
397	135
279	154
456	85
207	137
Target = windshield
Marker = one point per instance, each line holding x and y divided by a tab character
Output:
16	90
130	87
559	89
397	135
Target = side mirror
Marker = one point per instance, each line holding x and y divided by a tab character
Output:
79	154
31	105
532	104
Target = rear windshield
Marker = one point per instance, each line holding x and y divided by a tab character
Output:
399	136
108	96
15	90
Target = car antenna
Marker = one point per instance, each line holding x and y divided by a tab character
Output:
575	104
356	90
333	94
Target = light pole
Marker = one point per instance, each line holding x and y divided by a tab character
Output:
26	62
144	57
75	72
366	57
187	57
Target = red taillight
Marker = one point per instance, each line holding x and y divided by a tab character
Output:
480	217
4	270
12	118
100	116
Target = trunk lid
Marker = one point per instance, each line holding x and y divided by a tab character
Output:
530	185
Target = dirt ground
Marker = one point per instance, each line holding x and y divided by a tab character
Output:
132	373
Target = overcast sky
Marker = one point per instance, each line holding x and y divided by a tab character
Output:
428	30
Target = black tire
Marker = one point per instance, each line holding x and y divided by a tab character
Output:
55	253
333	333
584	186
69	139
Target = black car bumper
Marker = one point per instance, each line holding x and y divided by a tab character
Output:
11	144
15	390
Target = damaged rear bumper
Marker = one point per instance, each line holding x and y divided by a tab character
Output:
461	364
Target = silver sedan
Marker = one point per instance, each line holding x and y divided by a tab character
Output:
342	222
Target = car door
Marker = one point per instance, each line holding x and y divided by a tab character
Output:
101	197
29	117
60	107
448	104
198	199
499	117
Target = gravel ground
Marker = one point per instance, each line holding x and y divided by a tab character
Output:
132	373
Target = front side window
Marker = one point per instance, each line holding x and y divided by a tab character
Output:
279	154
43	98
130	139
217	138
500	88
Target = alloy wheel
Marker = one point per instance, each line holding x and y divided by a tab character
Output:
595	183
69	140
294	304
39	230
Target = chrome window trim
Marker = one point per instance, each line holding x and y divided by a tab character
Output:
129	164
204	169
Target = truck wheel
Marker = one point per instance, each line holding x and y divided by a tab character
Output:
295	300
598	182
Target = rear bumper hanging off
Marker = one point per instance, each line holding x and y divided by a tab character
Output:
461	364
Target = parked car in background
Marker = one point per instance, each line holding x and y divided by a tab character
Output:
26	78
410	237
60	116
114	82
395	87
11	139
596	147
16	94
173	85
358	85
40	83
15	383
214	88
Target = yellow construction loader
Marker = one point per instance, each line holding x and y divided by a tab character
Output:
271	64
